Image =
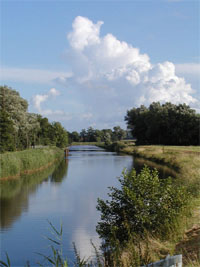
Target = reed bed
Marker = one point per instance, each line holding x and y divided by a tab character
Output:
14	164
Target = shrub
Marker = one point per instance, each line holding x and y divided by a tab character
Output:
144	203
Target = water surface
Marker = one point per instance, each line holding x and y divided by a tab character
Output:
64	193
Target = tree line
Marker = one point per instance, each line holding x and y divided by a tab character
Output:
21	129
95	135
166	124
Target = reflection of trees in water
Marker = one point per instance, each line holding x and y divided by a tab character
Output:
15	194
11	209
164	171
60	172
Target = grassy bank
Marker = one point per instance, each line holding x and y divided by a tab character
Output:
184	161
14	164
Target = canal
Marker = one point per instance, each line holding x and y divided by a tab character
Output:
65	194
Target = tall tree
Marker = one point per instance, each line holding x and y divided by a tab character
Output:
7	141
167	124
23	127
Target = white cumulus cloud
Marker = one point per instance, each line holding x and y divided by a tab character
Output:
38	99
112	76
85	33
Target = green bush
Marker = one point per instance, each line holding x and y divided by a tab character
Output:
144	203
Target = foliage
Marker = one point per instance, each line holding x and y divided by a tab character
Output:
73	137
167	124
60	135
95	135
143	203
7	141
118	133
20	129
16	106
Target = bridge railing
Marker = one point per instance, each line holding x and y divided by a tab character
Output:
169	261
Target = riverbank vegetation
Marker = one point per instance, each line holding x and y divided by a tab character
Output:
184	162
146	218
144	206
140	223
149	216
28	161
21	129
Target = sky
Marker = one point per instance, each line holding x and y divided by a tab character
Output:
85	63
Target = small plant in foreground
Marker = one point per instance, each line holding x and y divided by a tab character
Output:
4	264
56	259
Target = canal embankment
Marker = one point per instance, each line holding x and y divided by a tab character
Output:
184	161
14	164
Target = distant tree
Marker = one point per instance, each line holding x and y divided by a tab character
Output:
118	133
98	135
83	135
75	136
91	135
107	135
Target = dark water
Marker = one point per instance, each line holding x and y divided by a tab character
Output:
64	193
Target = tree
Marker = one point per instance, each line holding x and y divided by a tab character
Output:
98	135
165	124
26	128
107	135
136	120
118	133
83	135
45	134
60	135
23	122
91	135
75	136
7	141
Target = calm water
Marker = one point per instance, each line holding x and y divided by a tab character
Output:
64	193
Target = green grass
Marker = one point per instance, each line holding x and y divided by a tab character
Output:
26	161
184	161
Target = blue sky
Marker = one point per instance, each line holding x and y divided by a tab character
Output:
84	63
